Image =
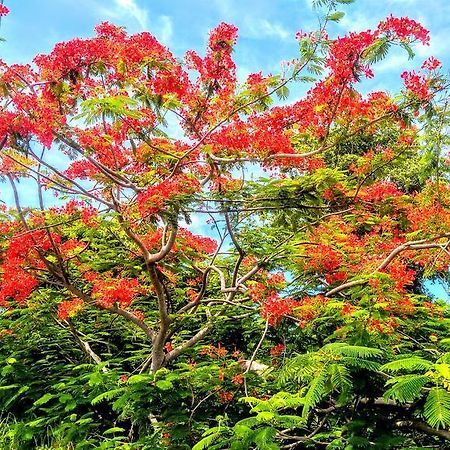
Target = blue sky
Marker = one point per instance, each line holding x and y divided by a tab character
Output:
266	32
267	27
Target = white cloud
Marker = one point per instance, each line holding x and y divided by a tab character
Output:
357	22
438	46
242	73
164	29
136	18
263	28
393	62
131	9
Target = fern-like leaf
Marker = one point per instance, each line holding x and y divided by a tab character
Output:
354	351
340	377
108	395
406	363
316	391
406	388
437	408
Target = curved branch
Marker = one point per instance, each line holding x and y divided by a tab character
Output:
411	245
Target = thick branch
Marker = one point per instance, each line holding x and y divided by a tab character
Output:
411	245
84	345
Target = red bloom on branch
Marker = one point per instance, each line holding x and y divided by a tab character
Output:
277	350
275	308
238	379
69	308
404	28
225	396
3	10
110	291
431	63
416	84
123	378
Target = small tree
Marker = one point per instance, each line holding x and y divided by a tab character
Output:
332	247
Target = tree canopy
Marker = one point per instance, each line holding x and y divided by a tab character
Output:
222	267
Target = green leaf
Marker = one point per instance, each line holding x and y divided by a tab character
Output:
437	408
10	386
37	422
114	430
264	438
205	443
65	398
265	416
377	51
409	50
16	395
315	393
134	379
282	92
408	363
406	388
164	385
95	379
336	17
109	395
43	400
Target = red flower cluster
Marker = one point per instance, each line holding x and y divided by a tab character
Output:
345	55
217	65
69	308
110	291
19	263
401	275
225	396
323	257
308	308
214	352
275	308
416	84
379	191
277	350
431	63
404	28
154	198
199	244
3	10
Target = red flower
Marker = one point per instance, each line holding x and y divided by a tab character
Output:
416	84
431	63
238	379
109	291
139	314
277	350
225	396
405	29
276	307
3	10
347	309
69	308
168	347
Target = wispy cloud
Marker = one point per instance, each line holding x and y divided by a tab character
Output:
164	29
263	28
358	21
137	18
131	9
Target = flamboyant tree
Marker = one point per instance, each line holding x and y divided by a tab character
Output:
324	259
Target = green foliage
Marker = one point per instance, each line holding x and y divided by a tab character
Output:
357	359
437	408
